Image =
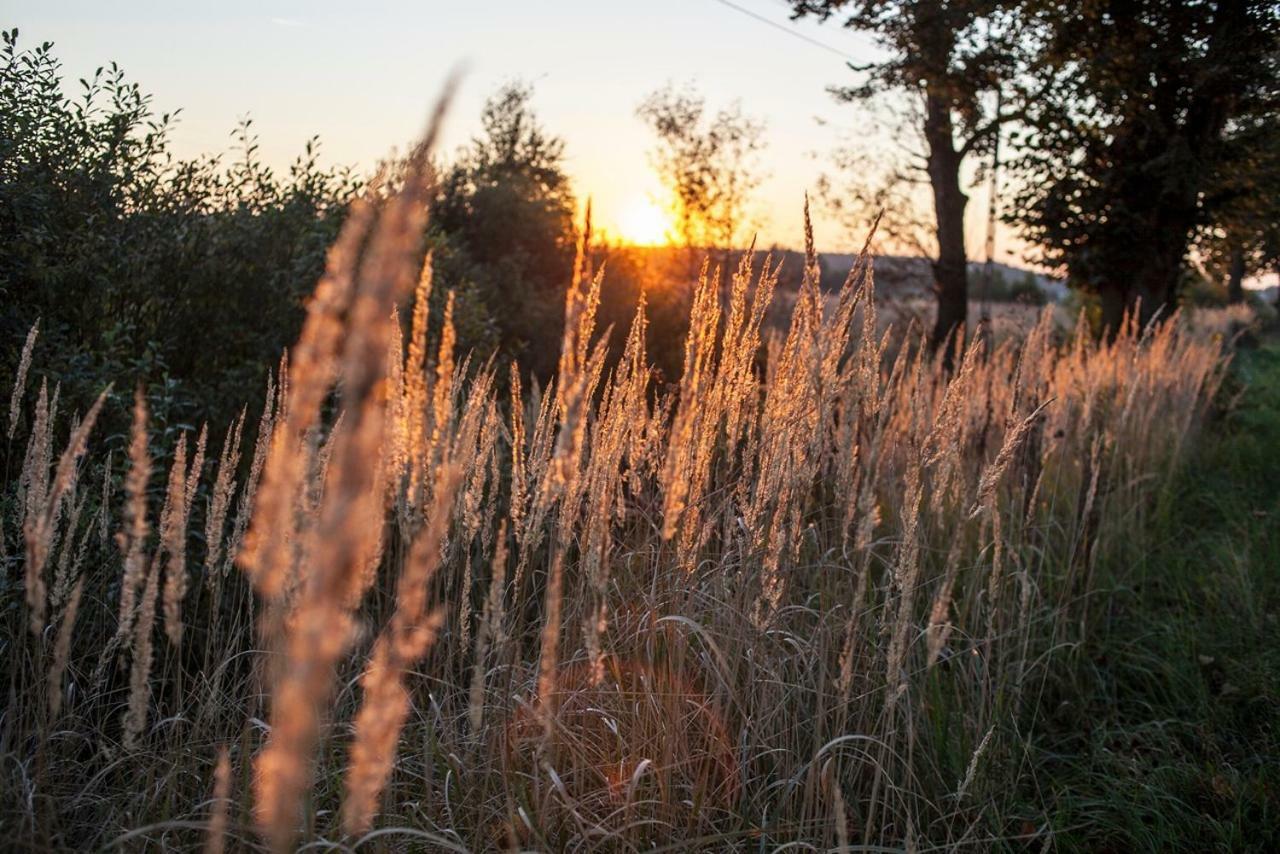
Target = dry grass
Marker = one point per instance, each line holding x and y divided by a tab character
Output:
806	597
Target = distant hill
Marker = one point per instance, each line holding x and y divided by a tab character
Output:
899	276
904	274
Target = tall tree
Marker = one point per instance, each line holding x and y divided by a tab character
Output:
1243	204
1137	97
953	55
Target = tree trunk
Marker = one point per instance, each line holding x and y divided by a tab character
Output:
950	270
1115	305
1155	291
1235	278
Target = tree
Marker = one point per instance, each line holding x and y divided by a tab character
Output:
874	184
1137	97
953	55
707	162
504	233
1243	204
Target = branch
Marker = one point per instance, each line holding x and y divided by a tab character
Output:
1020	114
985	131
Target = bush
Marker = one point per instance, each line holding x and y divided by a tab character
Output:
187	274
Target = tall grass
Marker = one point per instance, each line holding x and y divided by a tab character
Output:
805	596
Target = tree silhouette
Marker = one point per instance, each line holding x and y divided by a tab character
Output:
504	234
708	162
952	55
1138	98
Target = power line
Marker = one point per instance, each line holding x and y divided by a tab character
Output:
796	33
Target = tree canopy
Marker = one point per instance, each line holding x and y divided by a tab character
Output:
1136	103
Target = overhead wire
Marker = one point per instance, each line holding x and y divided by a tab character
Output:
785	29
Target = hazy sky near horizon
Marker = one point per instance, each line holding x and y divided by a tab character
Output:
362	76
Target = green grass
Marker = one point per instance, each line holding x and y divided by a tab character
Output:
1165	734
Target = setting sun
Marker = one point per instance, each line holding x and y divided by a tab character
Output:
644	223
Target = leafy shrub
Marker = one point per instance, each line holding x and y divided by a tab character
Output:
144	267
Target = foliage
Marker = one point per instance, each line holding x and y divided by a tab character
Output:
141	266
190	276
1125	132
707	162
503	233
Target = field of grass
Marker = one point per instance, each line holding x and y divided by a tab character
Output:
1164	733
814	595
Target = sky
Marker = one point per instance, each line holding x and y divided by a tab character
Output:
362	76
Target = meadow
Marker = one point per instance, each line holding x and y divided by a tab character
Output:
812	594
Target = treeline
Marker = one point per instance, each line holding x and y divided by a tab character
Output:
185	275
189	276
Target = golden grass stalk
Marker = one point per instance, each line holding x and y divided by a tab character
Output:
104	511
135	716
246	506
20	380
216	834
173	533
490	630
66	569
42	519
573	393
417	388
1013	442
405	639
62	649
483	470
33	483
197	468
132	538
220	499
319	628
442	390
265	555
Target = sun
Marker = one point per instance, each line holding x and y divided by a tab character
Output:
644	223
